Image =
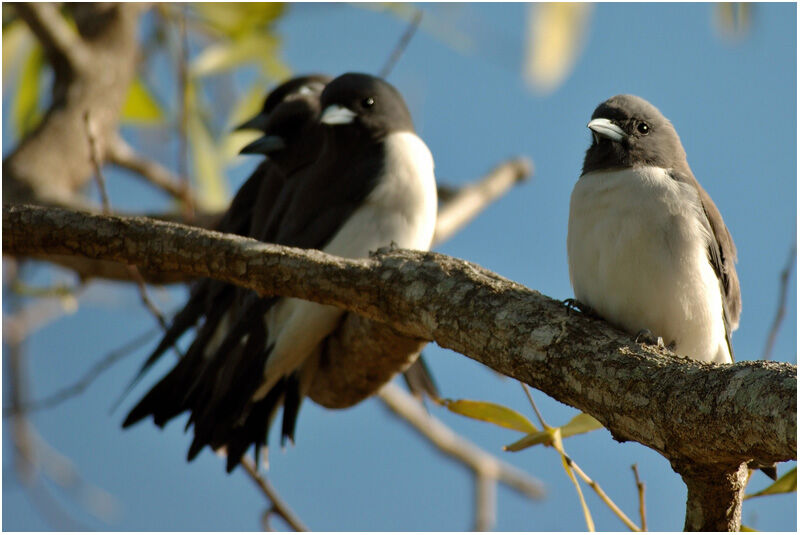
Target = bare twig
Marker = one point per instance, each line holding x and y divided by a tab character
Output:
86	380
455	446
279	507
93	154
402	44
101	185
640	489
593	484
485	502
781	311
603	496
123	155
473	198
183	120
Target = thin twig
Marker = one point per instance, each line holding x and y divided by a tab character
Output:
183	84
533	404
571	464
640	489
101	185
457	447
279	507
402	44
781	311
94	155
603	496
123	155
83	383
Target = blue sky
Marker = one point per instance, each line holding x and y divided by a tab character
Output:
734	106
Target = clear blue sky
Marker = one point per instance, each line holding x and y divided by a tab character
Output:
734	106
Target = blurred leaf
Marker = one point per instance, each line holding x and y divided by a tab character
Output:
229	54
732	19
25	112
582	423
786	483
492	413
745	528
16	39
556	33
212	192
140	106
238	19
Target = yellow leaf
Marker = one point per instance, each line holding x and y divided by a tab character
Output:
582	423
238	19
492	413
16	40
25	112
557	444
229	54
556	33
140	106
212	192
745	528
786	483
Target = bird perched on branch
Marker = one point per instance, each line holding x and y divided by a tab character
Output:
648	249
372	185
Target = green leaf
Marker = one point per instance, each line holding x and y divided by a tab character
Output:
745	528
140	106
582	423
786	483
25	113
229	54
492	413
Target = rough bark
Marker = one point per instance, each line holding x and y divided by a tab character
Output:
714	500
695	414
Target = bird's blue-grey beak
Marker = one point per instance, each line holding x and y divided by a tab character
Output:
264	145
335	114
259	122
605	128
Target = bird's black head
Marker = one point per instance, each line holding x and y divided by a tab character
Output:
628	131
292	133
364	105
311	84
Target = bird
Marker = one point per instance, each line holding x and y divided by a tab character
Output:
647	248
371	185
295	101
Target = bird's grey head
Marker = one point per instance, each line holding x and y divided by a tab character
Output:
360	102
628	131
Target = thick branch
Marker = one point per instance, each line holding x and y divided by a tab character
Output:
692	413
53	162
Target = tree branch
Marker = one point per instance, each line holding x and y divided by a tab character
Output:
693	413
61	43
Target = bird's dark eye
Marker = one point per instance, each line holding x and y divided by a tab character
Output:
643	128
368	102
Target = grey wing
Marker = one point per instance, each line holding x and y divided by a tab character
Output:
721	255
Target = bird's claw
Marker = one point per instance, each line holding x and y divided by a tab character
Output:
583	308
646	336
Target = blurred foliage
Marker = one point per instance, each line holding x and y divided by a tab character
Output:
786	483
492	413
556	32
